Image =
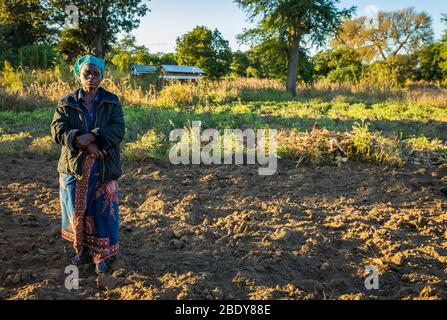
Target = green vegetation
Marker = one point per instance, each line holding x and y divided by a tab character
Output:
314	128
290	23
375	94
399	50
206	49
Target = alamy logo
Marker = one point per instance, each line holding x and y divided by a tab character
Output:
72	19
372	17
372	279
72	280
256	146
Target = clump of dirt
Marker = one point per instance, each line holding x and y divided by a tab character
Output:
224	232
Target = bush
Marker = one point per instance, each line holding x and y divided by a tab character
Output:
349	74
373	147
12	79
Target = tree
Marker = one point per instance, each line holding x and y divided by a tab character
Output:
443	58
393	72
394	33
121	54
99	24
430	62
269	58
167	58
206	49
292	22
36	56
239	64
338	65
22	23
443	49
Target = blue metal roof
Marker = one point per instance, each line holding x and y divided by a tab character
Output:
139	68
182	69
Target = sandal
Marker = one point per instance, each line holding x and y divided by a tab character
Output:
81	258
101	268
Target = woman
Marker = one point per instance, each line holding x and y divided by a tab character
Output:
89	125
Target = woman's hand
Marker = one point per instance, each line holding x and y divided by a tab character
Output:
93	149
83	141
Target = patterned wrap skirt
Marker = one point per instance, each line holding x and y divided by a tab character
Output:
90	211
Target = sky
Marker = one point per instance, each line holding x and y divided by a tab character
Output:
169	19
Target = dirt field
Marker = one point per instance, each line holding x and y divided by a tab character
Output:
223	232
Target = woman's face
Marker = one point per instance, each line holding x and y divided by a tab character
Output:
90	76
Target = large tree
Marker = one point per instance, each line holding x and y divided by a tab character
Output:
394	33
99	23
22	23
206	49
293	22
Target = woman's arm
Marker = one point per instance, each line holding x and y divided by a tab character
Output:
81	142
61	132
113	133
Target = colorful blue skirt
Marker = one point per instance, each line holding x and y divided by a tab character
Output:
90	211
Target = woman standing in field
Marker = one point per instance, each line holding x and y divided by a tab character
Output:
89	125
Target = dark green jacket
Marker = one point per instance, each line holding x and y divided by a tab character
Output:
69	121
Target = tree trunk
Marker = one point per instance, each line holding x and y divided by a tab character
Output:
292	65
97	43
100	30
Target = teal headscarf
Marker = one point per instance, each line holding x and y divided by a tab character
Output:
88	59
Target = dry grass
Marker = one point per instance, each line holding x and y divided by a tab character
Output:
242	102
42	87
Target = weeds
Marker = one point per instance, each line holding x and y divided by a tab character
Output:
324	124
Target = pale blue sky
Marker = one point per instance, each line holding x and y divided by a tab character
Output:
169	19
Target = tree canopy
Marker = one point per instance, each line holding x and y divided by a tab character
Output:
23	23
99	23
206	49
293	22
399	32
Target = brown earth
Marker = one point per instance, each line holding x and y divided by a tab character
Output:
224	232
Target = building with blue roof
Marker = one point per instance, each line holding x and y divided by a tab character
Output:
139	69
169	72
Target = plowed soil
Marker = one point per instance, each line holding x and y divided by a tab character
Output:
224	232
